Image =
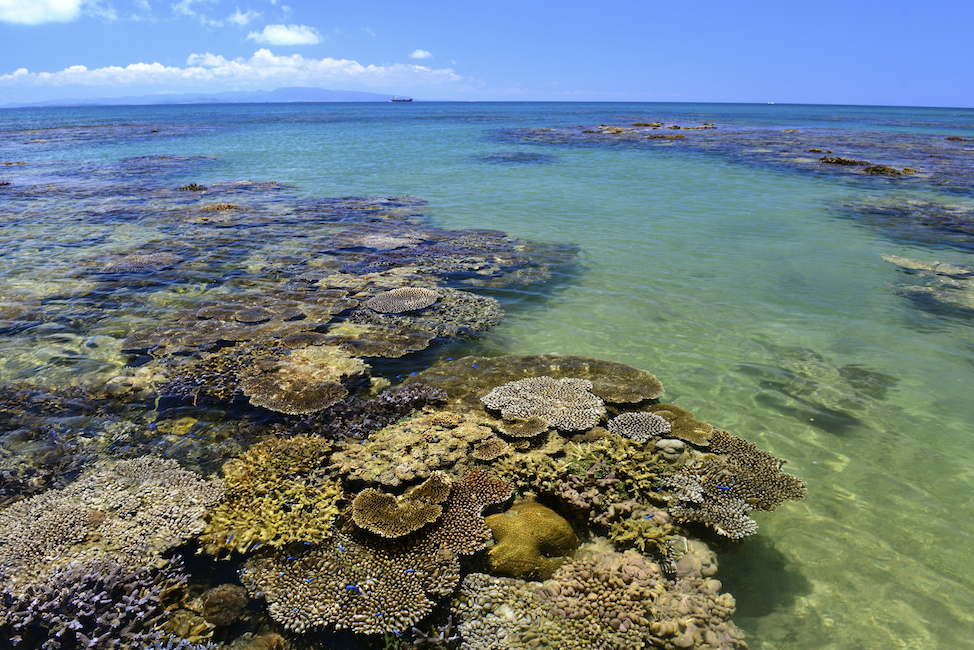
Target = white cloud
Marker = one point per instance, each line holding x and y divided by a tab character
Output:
206	60
420	54
286	35
35	12
241	19
368	31
263	70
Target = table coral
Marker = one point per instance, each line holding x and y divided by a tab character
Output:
639	426
683	424
563	403
402	299
390	516
370	586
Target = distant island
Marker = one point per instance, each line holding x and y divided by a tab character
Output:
278	95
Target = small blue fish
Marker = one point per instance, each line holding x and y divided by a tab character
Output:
353	588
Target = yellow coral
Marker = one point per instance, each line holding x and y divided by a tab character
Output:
532	541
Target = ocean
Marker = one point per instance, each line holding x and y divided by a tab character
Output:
818	311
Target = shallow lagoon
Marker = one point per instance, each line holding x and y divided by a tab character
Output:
743	281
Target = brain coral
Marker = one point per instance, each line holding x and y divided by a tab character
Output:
370	586
564	403
274	497
530	541
129	512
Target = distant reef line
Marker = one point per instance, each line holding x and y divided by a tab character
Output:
278	95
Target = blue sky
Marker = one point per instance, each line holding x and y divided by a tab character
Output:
827	52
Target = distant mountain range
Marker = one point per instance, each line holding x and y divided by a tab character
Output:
232	97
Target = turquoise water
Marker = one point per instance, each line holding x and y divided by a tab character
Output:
740	282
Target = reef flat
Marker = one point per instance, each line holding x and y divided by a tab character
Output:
248	434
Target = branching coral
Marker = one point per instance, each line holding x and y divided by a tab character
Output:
274	497
97	603
130	513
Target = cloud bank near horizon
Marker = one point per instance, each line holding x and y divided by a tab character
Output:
264	68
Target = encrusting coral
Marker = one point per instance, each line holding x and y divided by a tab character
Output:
274	497
530	541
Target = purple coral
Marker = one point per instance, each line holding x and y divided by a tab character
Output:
99	603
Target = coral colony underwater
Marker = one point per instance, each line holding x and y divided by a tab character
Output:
239	415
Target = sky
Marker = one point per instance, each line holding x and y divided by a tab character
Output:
895	52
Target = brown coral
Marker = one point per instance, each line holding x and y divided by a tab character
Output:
563	403
386	515
531	541
683	424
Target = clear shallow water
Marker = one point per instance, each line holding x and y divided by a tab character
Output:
741	284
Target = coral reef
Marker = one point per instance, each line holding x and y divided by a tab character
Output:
564	403
129	512
136	263
530	541
274	497
721	487
370	586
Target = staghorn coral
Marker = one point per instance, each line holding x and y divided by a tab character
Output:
565	403
370	586
273	497
530	541
720	488
129	512
411	450
639	426
601	600
682	424
388	516
402	299
462	529
95	603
